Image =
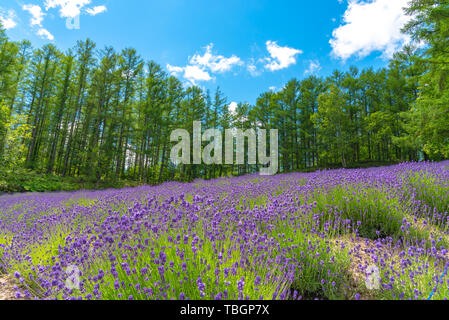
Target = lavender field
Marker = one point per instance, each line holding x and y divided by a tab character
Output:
378	233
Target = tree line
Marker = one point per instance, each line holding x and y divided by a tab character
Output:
106	116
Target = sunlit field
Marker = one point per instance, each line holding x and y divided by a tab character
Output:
377	233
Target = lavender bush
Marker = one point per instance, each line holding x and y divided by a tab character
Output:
294	236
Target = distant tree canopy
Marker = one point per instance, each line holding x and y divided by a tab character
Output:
107	115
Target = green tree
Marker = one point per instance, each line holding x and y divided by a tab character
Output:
430	26
334	126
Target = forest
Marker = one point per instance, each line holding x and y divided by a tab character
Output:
99	115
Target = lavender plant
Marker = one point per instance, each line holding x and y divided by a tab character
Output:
292	236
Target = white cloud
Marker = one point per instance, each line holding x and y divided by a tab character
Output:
281	57
252	68
37	16
67	8
215	63
45	34
314	66
191	73
233	108
199	66
96	10
195	73
8	19
370	26
174	71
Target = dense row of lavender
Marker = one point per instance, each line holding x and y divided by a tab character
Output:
344	234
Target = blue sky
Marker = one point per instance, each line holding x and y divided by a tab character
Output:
244	46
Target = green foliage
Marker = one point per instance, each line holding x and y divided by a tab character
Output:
17	136
107	117
333	122
4	123
431	26
24	180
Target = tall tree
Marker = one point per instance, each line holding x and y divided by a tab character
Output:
430	25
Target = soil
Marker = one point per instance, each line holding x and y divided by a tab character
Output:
7	291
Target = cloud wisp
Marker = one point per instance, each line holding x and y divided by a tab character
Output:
314	67
45	34
200	67
215	63
8	19
37	17
67	9
96	10
280	57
